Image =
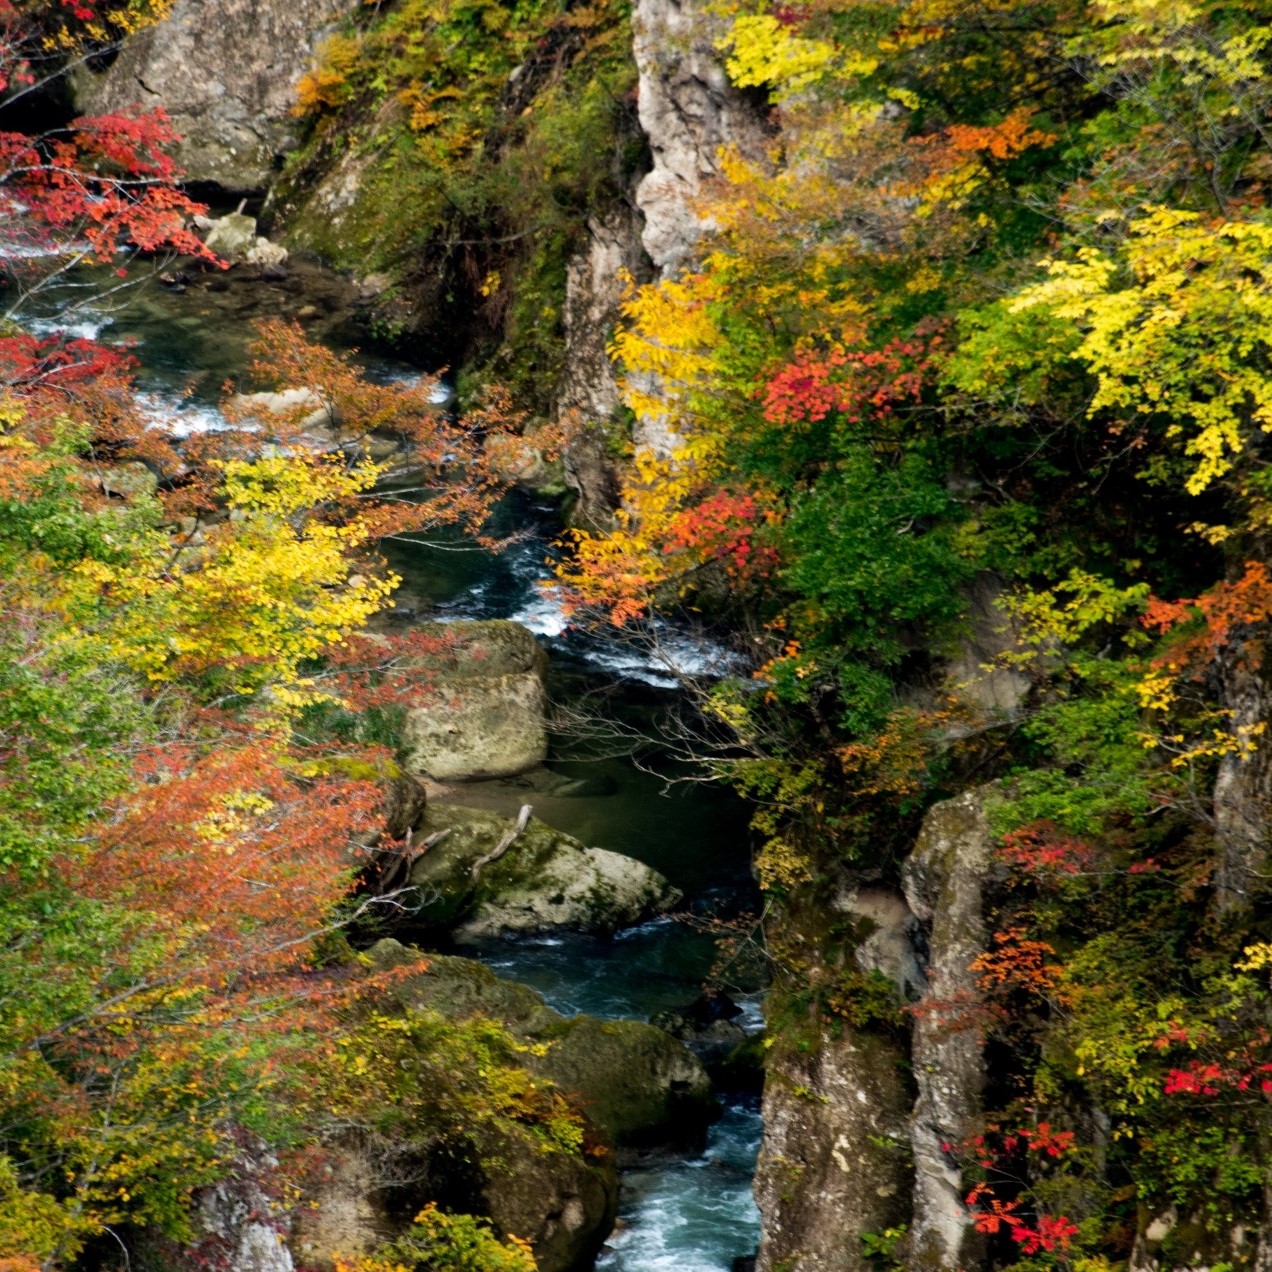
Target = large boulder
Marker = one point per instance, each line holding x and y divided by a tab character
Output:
641	1086
486	703
562	1203
638	1085
231	236
543	881
226	72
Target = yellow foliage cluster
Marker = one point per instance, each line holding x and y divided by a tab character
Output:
326	84
1177	327
764	52
270	587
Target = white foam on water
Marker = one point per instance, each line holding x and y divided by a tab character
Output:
85	328
661	655
642	930
752	1017
545	613
180	417
691	1216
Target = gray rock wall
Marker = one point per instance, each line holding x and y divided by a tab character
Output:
834	1163
226	72
588	395
945	879
688	111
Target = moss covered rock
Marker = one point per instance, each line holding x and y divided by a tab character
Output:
545	880
638	1085
641	1086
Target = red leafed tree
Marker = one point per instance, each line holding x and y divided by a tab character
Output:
92	187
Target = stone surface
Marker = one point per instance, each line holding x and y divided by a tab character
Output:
545	881
129	480
562	1205
405	806
709	1027
588	394
688	111
944	880
340	1213
976	673
887	943
337	212
593	291
639	1086
303	407
226	72
266	255
237	1224
485	704
834	1163
231	236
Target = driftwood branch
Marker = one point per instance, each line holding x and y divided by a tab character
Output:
401	859
523	818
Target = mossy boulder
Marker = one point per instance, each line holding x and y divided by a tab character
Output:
486	703
232	237
638	1085
544	881
563	1205
641	1086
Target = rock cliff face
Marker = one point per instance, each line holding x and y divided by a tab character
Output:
855	1119
944	882
226	72
689	111
833	1164
588	394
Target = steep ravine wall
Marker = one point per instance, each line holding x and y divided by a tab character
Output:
689	111
860	1116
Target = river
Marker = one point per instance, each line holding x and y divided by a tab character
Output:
676	1214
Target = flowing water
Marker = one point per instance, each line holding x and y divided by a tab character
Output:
678	1215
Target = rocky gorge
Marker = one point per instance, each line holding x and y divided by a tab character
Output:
850	1146
783	1053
